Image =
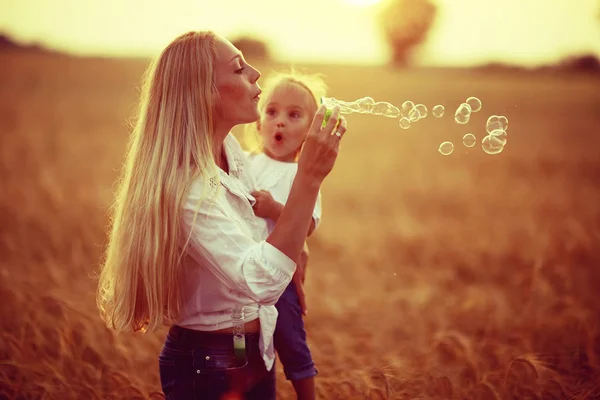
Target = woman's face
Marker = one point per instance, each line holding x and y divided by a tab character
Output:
238	92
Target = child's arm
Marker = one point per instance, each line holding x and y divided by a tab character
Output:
267	207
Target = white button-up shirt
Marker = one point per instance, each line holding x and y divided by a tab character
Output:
228	261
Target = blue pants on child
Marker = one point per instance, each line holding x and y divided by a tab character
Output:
290	337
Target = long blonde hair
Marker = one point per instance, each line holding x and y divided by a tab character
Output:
313	83
170	146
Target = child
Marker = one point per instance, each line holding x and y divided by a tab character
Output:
288	105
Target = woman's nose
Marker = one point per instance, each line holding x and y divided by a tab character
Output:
255	77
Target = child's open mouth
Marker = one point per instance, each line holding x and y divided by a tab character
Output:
278	137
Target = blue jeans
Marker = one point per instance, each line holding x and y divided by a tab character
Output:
290	337
196	365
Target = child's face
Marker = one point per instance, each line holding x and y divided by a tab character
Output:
285	121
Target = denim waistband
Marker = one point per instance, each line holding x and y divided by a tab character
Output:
185	339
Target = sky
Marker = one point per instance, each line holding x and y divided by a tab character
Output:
465	32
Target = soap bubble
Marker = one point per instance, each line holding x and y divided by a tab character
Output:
406	108
414	115
354	108
366	104
474	103
462	119
446	148
496	122
404	123
500	135
409	113
386	109
462	114
469	140
504	121
422	110
492	145
438	111
345	108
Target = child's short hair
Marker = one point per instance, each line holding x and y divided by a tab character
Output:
313	83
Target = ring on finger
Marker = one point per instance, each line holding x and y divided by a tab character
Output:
338	134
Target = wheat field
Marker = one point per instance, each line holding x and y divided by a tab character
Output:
469	276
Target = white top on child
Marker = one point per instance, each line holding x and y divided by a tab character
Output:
277	177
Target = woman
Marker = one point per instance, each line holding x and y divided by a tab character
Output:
186	248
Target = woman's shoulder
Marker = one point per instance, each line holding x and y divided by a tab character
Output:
203	187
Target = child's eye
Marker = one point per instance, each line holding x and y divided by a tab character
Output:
295	114
270	111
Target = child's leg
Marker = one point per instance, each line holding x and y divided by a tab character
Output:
305	388
291	346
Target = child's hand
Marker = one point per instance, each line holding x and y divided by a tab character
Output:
298	282
265	204
303	261
300	276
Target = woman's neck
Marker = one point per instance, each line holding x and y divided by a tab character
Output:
221	159
220	134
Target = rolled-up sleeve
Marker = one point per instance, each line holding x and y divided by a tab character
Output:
222	242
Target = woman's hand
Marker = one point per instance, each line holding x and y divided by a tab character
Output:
321	147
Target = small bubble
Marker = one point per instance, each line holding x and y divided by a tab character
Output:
474	103
500	135
504	121
406	108
346	109
496	122
491	145
414	115
366	104
438	111
469	140
462	114
462	119
355	108
422	110
446	148
386	109
404	123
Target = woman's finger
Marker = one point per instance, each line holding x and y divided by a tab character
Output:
317	121
340	128
332	122
339	132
